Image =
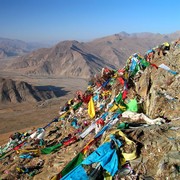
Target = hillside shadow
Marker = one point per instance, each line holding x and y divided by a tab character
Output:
90	57
58	91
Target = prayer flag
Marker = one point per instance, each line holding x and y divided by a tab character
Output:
48	150
91	109
132	105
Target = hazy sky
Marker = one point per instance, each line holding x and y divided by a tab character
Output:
84	20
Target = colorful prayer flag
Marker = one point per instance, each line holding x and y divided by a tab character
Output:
132	105
91	109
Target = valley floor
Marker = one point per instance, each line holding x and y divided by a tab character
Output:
15	117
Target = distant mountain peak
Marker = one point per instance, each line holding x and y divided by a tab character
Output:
68	43
14	47
124	34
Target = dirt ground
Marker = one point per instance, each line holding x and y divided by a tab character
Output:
16	117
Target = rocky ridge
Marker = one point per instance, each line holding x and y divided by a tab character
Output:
153	135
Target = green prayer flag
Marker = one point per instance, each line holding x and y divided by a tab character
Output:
132	105
136	69
119	111
122	106
112	81
118	99
72	164
76	106
144	63
48	150
2	155
123	125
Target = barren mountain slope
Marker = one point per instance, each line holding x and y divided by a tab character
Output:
18	91
68	58
75	59
141	147
13	47
116	48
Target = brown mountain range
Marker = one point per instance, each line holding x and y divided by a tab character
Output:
68	58
75	59
118	47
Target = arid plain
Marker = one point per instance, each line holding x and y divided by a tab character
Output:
26	115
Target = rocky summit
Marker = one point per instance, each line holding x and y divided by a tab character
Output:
124	126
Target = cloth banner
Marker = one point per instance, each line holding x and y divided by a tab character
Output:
91	109
48	150
163	66
132	105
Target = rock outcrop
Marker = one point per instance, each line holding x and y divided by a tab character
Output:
140	150
160	89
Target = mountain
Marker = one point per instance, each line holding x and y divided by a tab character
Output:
19	91
13	47
76	145
117	48
67	58
78	59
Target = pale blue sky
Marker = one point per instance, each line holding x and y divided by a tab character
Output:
84	20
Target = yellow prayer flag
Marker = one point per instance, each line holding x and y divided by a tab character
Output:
115	107
91	109
122	107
